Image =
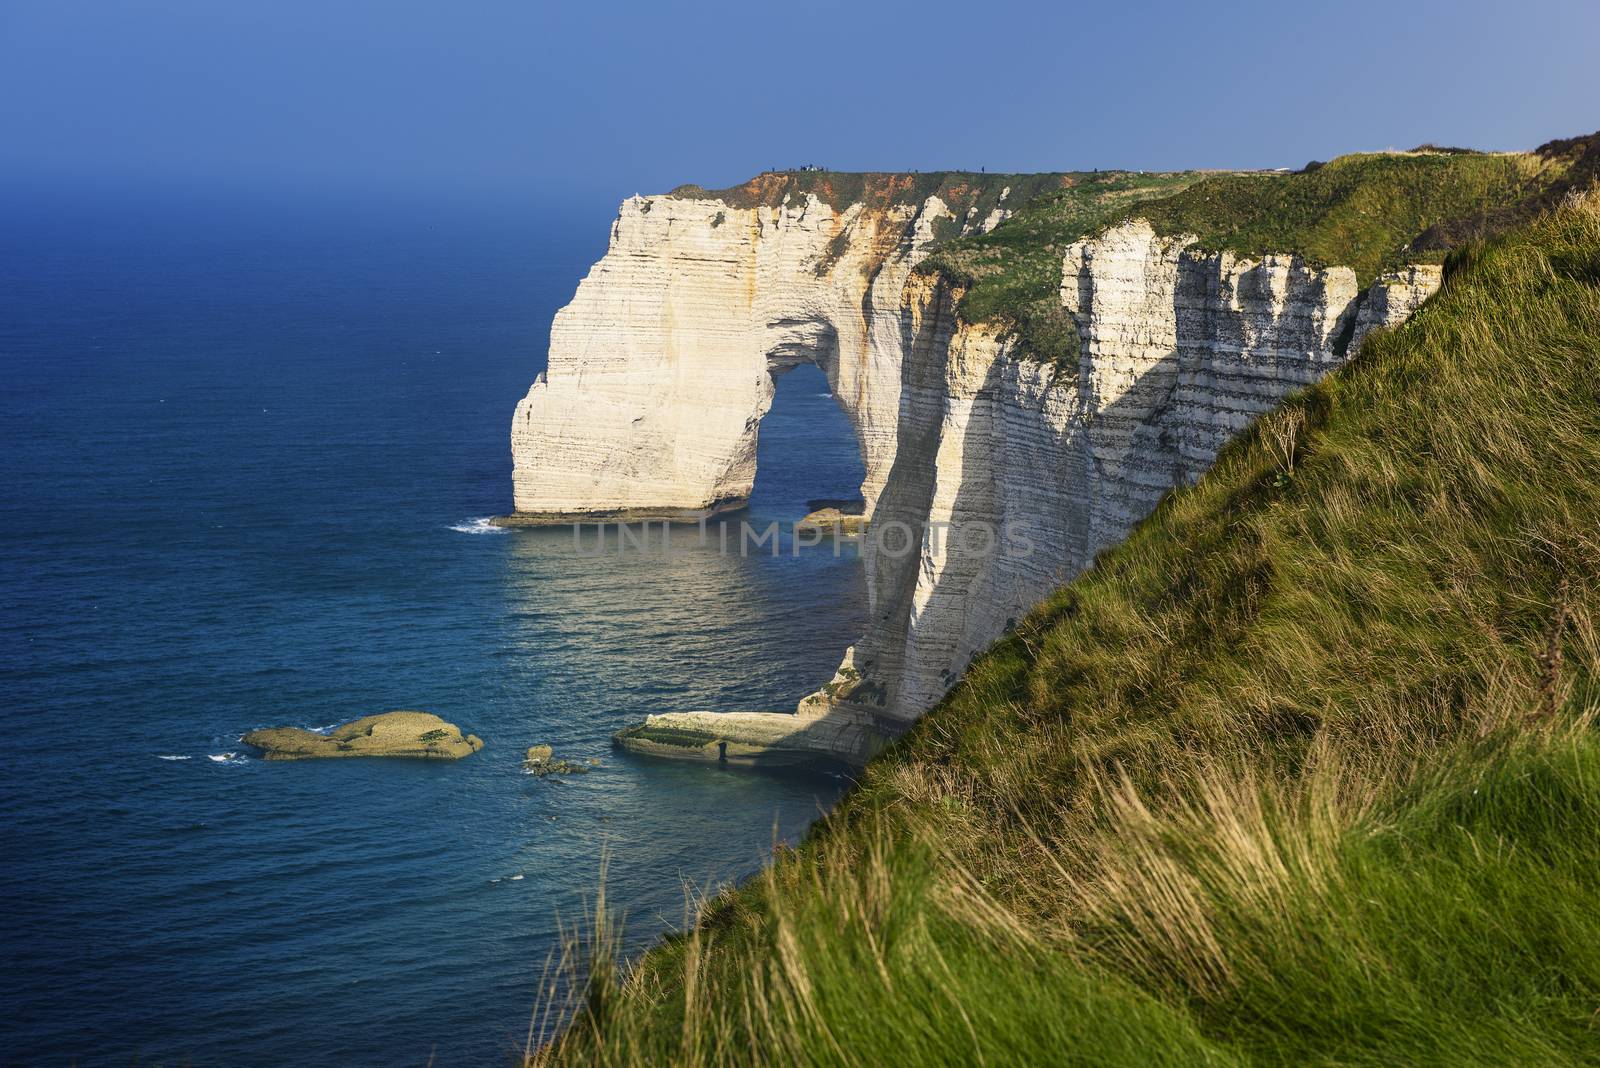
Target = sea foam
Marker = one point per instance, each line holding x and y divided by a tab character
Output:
479	525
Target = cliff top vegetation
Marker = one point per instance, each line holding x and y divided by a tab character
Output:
1012	275
963	191
1369	211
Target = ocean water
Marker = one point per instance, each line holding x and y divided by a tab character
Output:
245	449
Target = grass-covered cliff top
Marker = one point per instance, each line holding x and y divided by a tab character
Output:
1305	772
961	190
1012	275
1369	211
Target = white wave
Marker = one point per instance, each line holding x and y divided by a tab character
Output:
224	758
516	878
478	525
171	756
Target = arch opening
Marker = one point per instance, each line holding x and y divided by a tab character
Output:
807	449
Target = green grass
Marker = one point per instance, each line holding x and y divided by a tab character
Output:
1360	211
1570	164
1306	771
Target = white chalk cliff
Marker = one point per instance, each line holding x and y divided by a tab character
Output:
1180	350
663	364
662	367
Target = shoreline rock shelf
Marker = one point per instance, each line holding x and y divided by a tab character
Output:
832	739
417	735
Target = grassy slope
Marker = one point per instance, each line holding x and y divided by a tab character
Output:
1360	211
1302	772
1572	163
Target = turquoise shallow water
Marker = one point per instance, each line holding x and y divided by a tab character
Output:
243	453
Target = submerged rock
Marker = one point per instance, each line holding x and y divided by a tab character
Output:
390	734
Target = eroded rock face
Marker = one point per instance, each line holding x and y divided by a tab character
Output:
390	734
1180	350
662	367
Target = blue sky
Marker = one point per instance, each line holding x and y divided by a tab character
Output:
593	99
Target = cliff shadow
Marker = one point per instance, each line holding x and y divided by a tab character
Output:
1068	488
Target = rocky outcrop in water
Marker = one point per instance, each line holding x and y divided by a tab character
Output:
391	734
832	519
542	761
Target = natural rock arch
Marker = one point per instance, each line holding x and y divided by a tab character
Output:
662	366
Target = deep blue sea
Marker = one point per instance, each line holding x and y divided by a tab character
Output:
243	446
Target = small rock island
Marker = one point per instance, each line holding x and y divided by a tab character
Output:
420	735
542	761
839	518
